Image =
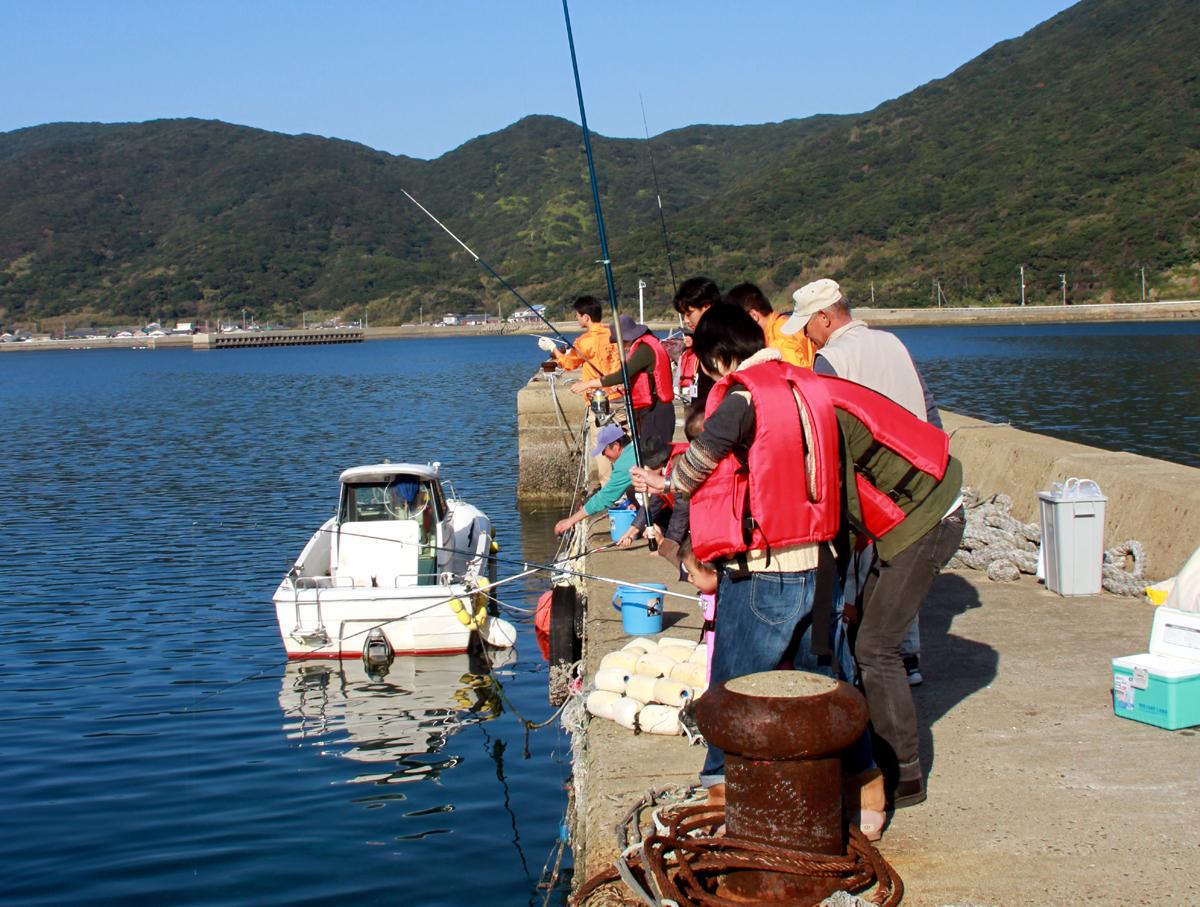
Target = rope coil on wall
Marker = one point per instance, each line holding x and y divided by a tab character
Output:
997	542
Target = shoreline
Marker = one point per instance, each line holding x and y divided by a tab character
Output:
1182	310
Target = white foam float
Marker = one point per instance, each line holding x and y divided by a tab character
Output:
659	719
612	679
672	692
624	661
625	711
676	653
690	673
654	665
600	703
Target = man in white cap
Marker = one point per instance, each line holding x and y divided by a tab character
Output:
847	348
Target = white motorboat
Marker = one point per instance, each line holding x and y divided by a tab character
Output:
398	570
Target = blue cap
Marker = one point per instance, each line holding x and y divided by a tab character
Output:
606	436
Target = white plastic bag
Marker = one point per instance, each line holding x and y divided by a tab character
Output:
1075	490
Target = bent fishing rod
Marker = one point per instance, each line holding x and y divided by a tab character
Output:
504	283
658	196
607	262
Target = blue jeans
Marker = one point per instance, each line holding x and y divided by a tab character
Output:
757	617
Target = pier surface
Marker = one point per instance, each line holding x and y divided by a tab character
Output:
1038	793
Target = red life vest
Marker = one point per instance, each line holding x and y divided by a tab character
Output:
924	447
688	366
664	393
765	504
677	449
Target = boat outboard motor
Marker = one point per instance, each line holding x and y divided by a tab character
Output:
600	408
377	654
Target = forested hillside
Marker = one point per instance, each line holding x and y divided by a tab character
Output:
1073	149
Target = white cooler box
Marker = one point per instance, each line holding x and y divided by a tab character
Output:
1162	686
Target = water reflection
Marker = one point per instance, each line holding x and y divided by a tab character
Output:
394	717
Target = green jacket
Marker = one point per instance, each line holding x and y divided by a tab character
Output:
924	502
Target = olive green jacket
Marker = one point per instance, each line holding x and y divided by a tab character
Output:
925	500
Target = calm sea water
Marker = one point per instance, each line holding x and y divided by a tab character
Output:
1133	387
154	747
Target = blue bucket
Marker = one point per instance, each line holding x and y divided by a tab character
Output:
620	519
641	610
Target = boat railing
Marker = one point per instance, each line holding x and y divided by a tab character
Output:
398	581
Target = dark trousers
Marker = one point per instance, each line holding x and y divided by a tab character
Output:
656	421
892	596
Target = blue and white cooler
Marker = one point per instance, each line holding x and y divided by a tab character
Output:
1162	686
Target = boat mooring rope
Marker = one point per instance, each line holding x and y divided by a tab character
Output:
682	861
997	542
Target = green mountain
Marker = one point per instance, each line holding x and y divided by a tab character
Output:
1073	149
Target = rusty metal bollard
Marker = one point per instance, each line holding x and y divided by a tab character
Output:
783	733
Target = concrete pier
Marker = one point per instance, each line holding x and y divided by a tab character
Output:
306	337
549	418
1038	794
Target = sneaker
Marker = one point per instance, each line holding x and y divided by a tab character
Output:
912	667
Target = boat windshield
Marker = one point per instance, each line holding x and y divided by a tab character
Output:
399	498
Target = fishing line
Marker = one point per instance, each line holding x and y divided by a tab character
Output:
658	196
605	258
504	283
529	567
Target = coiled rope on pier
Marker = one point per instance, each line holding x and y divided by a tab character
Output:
1000	544
682	860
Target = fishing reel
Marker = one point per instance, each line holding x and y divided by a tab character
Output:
600	407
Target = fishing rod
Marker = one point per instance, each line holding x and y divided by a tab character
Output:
607	262
658	196
504	283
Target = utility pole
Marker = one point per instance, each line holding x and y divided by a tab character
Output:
243	319
1063	278
641	302
1143	284
872	294
420	313
1022	285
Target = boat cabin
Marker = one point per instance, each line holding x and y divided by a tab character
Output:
390	524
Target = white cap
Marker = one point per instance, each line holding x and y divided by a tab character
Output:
810	299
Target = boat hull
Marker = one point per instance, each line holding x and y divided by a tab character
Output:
337	622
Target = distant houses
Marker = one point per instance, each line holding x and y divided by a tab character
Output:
473	320
530	315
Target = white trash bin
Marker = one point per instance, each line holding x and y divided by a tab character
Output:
1073	536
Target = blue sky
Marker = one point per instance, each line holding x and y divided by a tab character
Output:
421	78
